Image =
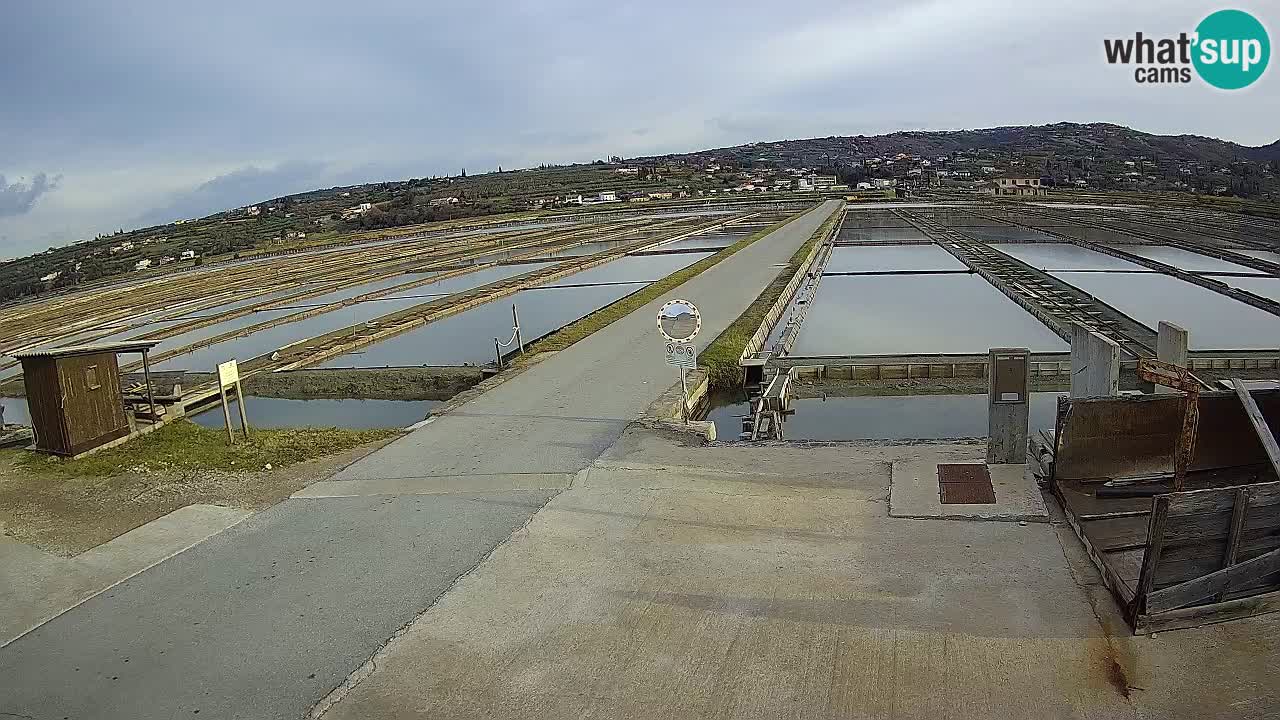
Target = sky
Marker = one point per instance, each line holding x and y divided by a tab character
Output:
122	115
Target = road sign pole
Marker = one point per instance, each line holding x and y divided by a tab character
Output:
684	392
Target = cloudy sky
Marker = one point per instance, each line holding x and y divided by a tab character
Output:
117	115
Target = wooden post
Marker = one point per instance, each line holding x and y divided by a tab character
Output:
244	419
226	414
146	375
497	351
1238	511
1260	427
1151	558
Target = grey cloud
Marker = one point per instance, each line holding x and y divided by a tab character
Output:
244	186
19	197
158	92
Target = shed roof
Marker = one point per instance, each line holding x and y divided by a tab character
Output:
126	346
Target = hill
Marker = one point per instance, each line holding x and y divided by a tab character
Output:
1099	140
1096	156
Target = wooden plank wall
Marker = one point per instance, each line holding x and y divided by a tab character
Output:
1100	438
44	399
93	415
1209	547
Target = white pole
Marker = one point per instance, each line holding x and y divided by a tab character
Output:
515	318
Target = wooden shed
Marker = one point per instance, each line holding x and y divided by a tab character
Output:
74	395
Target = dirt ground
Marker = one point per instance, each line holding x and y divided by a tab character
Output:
68	515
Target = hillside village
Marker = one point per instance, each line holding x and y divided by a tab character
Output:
1004	161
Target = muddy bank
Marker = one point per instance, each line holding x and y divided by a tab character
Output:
432	383
915	386
808	387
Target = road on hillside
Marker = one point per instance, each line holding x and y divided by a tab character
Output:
265	619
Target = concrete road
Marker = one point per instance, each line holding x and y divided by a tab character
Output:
563	413
264	620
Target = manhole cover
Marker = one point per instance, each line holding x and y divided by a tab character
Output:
965	484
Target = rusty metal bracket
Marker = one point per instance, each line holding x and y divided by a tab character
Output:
1178	378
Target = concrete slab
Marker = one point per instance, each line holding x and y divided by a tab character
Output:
698	592
913	492
36	586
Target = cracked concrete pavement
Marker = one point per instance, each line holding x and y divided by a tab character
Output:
748	582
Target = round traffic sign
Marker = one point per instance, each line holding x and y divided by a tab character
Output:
679	321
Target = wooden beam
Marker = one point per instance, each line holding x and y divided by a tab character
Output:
1201	615
1260	426
1183	594
1155	544
1233	535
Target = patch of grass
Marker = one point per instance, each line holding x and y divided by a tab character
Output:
720	358
184	445
606	315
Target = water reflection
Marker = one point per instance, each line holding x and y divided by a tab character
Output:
1215	321
1064	256
901	314
891	257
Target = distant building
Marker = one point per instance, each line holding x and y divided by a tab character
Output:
824	182
187	255
441	202
142	265
356	211
627	171
608	196
51	276
804	184
1018	186
253	211
638	197
662	195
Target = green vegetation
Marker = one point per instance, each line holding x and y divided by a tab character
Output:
605	316
720	358
184	445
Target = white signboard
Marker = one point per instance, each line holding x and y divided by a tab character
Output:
228	373
682	354
679	321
